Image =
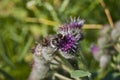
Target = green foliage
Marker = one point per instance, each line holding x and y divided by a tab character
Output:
80	73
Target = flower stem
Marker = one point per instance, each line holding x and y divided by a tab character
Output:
39	70
61	76
83	60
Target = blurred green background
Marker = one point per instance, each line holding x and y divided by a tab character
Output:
22	22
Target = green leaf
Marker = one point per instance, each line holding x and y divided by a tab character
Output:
26	48
6	75
80	73
118	58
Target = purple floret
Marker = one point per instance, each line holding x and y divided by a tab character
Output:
67	43
76	23
94	49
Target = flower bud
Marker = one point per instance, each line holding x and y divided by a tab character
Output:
104	61
117	25
115	34
105	30
103	41
96	52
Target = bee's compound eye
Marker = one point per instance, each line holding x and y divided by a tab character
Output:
54	42
73	31
60	36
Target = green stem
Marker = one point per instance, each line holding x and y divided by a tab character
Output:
83	60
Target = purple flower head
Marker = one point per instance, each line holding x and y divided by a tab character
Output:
94	49
71	35
73	28
68	44
74	24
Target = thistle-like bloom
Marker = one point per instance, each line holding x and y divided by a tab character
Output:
73	28
71	34
94	49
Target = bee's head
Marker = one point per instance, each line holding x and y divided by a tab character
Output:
52	40
56	40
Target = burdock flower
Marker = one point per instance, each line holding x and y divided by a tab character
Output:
104	61
70	35
96	52
115	34
94	49
101	56
73	28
